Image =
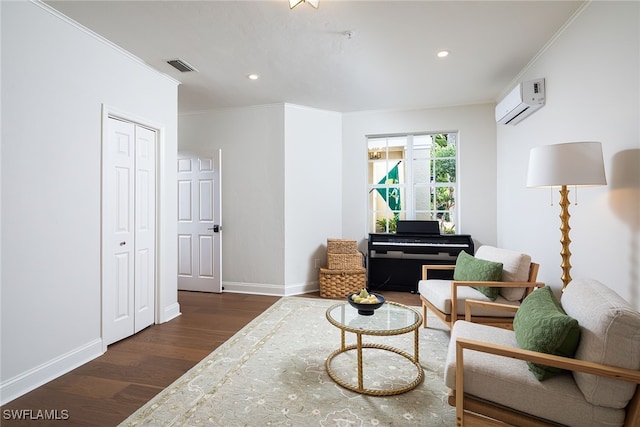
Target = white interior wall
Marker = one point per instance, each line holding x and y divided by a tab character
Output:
477	163
313	192
280	191
592	73
286	163
252	143
55	79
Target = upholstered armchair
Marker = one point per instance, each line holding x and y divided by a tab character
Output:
494	275
575	362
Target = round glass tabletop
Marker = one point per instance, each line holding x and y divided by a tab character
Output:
390	319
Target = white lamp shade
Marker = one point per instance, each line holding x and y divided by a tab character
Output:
573	163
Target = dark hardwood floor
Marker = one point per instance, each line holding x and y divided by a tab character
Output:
105	391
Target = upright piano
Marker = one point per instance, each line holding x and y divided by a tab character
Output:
395	260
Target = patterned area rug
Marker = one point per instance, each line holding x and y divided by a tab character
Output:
272	373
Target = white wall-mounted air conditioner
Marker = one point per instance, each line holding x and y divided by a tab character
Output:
521	102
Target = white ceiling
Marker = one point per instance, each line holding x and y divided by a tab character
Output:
304	57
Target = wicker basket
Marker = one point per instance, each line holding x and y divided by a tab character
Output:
341	246
352	261
340	283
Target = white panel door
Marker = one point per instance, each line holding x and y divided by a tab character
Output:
199	229
118	231
145	228
128	229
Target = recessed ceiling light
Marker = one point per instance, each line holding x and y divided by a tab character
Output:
253	77
443	53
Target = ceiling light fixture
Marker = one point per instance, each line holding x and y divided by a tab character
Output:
443	53
253	77
294	3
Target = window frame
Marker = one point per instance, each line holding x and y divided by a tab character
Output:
407	187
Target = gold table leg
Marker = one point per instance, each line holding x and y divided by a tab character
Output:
416	346
360	379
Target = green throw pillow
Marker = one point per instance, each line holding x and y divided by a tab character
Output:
542	325
470	268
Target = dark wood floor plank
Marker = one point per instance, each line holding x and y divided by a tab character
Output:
105	391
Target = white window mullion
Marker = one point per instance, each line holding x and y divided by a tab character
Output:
410	212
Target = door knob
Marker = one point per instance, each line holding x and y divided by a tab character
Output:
216	228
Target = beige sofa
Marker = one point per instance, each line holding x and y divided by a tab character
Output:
484	382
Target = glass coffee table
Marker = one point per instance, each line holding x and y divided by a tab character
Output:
390	319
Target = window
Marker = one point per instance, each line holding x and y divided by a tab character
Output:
412	176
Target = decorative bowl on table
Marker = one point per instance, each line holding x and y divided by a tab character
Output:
366	308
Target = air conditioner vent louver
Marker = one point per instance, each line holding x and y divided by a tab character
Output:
180	65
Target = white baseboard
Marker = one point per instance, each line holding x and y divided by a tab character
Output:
170	312
269	289
253	288
34	378
302	288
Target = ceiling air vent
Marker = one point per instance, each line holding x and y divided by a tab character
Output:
180	65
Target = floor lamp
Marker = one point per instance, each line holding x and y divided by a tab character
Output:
574	164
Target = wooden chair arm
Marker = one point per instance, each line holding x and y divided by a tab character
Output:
499	284
567	363
426	268
468	304
457	283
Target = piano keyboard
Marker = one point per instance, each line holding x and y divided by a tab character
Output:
421	244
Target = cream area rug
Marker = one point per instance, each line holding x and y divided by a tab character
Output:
272	373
